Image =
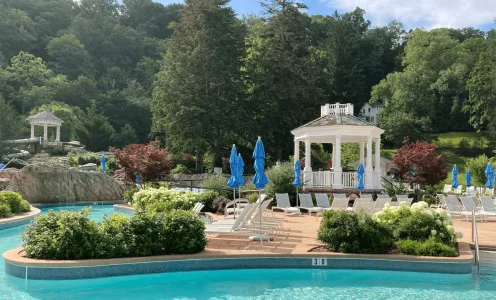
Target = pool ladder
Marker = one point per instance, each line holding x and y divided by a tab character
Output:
475	239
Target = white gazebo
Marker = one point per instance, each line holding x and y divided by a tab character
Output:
336	126
45	119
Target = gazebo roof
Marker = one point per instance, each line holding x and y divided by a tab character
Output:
330	120
45	117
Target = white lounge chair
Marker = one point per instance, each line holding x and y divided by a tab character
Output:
470	191
235	207
306	203
366	207
488	206
381	201
284	205
404	198
458	190
367	197
198	207
340	202
323	201
470	205
447	189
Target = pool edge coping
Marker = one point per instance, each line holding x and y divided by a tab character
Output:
6	223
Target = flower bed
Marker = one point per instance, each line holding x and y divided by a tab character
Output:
418	230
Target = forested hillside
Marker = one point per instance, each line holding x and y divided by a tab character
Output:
200	78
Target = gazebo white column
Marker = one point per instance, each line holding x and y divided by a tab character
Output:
45	134
362	152
32	130
338	171
377	169
307	172
296	150
369	183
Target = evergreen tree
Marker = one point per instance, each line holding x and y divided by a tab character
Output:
95	131
198	99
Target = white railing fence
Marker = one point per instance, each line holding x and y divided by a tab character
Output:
326	179
336	109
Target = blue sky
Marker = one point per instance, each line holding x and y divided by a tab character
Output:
412	13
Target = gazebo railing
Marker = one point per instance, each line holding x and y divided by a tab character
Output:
327	179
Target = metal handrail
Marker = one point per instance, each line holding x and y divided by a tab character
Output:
475	238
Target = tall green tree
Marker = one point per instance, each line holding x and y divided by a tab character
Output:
69	57
280	75
198	97
10	126
95	131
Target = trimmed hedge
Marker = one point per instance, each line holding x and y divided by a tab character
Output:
71	235
428	247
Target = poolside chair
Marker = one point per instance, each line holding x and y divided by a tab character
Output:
323	201
340	202
235	206
452	205
198	207
447	189
489	191
470	191
458	190
306	203
470	205
488	206
381	201
404	198
284	205
366	207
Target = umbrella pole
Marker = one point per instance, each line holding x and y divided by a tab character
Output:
260	212
234	199
297	198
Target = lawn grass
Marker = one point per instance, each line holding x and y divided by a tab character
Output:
453	139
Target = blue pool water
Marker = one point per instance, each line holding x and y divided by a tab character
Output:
253	284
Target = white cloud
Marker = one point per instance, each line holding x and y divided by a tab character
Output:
423	13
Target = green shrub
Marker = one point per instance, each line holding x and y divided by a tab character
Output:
71	235
88	158
219	184
156	185
72	161
13	200
62	235
207	198
25	206
117	235
58	151
128	195
161	200
253	197
281	181
5	210
112	164
184	233
180	169
428	247
418	222
354	233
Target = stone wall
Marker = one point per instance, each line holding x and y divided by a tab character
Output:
51	183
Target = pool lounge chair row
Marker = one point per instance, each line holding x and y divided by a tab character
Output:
339	202
483	206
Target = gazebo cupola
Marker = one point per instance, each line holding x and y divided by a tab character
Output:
338	125
45	119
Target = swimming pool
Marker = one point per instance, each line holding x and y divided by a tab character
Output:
253	284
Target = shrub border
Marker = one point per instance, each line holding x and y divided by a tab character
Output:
19	220
16	265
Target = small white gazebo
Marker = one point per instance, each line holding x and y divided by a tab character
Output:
336	126
45	119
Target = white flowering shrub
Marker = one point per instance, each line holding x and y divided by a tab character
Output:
162	200
418	222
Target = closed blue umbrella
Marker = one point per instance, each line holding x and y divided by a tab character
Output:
360	171
454	177
468	177
2	166
297	180
489	176
240	181
234	169
138	178
260	180
104	163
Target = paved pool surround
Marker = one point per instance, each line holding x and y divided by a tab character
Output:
19	219
22	267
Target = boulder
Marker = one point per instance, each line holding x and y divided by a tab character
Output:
51	183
